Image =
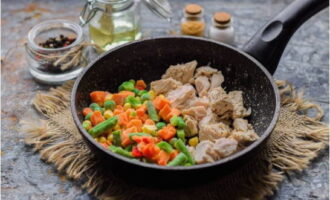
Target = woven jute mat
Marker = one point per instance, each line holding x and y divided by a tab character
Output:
296	140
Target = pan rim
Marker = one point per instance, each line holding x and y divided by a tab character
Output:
235	156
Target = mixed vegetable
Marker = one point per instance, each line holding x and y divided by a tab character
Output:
137	124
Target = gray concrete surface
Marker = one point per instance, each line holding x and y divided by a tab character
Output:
25	177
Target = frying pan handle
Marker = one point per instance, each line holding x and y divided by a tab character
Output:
268	44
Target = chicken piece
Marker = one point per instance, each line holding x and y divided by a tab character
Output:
205	71
216	80
198	112
200	101
205	153
208	119
240	124
181	72
224	147
244	137
180	97
229	105
214	131
215	94
202	84
163	86
237	101
192	125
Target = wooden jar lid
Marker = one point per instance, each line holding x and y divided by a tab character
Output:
221	17
193	9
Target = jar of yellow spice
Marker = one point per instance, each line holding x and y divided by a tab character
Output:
193	23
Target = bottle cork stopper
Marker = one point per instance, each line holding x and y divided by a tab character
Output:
221	17
193	9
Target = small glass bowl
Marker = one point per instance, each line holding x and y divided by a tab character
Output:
42	61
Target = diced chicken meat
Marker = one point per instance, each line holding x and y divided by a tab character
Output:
181	72
200	101
224	147
205	71
163	86
229	105
202	84
192	125
216	94
197	112
244	137
216	80
205	153
213	132
208	119
180	96
240	124
237	100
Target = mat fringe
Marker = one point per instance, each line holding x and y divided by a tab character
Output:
295	142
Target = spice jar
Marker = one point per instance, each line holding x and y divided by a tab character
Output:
55	51
115	22
221	29
193	23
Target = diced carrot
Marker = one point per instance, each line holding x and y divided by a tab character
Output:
159	102
144	118
135	122
144	139
173	112
98	97
124	136
140	84
97	118
86	111
162	158
118	109
122	119
167	132
149	122
141	110
165	111
173	154
120	97
150	150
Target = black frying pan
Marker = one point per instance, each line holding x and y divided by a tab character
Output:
248	70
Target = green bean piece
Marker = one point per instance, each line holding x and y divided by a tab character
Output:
145	97
133	101
137	134
103	126
173	141
178	122
94	106
99	109
160	125
182	148
109	104
142	92
116	138
152	112
136	91
88	116
129	148
132	81
165	146
120	151
181	135
87	124
180	159
127	85
187	164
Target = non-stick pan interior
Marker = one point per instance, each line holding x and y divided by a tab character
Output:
149	59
